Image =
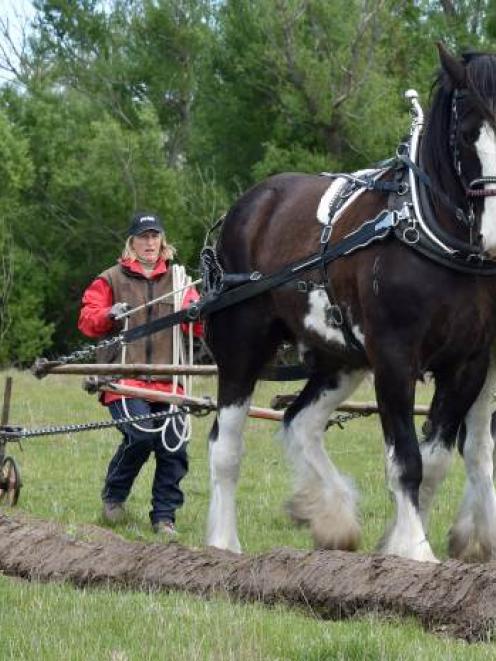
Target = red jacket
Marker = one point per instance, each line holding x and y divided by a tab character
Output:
94	321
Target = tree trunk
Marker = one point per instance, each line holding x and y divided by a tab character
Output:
451	597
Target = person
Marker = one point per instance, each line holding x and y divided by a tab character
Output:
142	274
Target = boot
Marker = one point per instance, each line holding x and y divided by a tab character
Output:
164	528
113	512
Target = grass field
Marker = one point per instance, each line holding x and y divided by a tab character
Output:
63	477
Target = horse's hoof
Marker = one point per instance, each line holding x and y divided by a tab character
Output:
420	552
333	543
467	548
347	538
459	544
225	545
295	513
425	554
332	517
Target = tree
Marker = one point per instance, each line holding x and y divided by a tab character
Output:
285	84
181	104
23	329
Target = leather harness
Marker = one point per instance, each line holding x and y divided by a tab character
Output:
221	290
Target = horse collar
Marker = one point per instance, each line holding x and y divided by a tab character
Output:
416	232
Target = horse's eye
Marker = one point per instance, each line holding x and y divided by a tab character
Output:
470	137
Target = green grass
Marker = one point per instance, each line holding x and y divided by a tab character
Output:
63	476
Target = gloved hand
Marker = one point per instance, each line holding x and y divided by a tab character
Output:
117	309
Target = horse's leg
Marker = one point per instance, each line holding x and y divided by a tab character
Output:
440	438
455	392
395	379
225	453
473	536
241	344
322	497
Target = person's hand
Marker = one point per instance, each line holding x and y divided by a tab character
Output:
117	310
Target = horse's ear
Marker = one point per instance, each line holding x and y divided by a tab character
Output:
452	66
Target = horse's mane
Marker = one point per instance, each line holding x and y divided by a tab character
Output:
481	81
481	85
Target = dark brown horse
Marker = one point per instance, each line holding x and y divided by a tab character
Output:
404	313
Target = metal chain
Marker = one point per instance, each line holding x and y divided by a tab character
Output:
14	433
87	351
341	418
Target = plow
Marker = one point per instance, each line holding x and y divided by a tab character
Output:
10	474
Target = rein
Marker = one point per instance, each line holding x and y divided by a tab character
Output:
473	189
373	230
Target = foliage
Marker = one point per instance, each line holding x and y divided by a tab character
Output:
24	332
292	159
179	105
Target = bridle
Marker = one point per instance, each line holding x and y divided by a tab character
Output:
475	188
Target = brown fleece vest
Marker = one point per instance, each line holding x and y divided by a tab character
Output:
135	289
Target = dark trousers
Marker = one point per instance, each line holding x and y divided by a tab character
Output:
133	452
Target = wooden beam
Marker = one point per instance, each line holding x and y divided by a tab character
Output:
283	401
253	412
169	398
7	394
142	369
136	369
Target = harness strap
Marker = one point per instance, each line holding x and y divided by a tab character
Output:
369	182
462	257
386	185
468	264
425	179
452	244
339	318
373	230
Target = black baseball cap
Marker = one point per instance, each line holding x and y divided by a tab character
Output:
143	221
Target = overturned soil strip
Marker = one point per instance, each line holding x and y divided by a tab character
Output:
453	597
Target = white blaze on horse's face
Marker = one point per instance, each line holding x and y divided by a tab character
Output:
486	151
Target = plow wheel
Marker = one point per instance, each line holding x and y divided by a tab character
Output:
10	482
